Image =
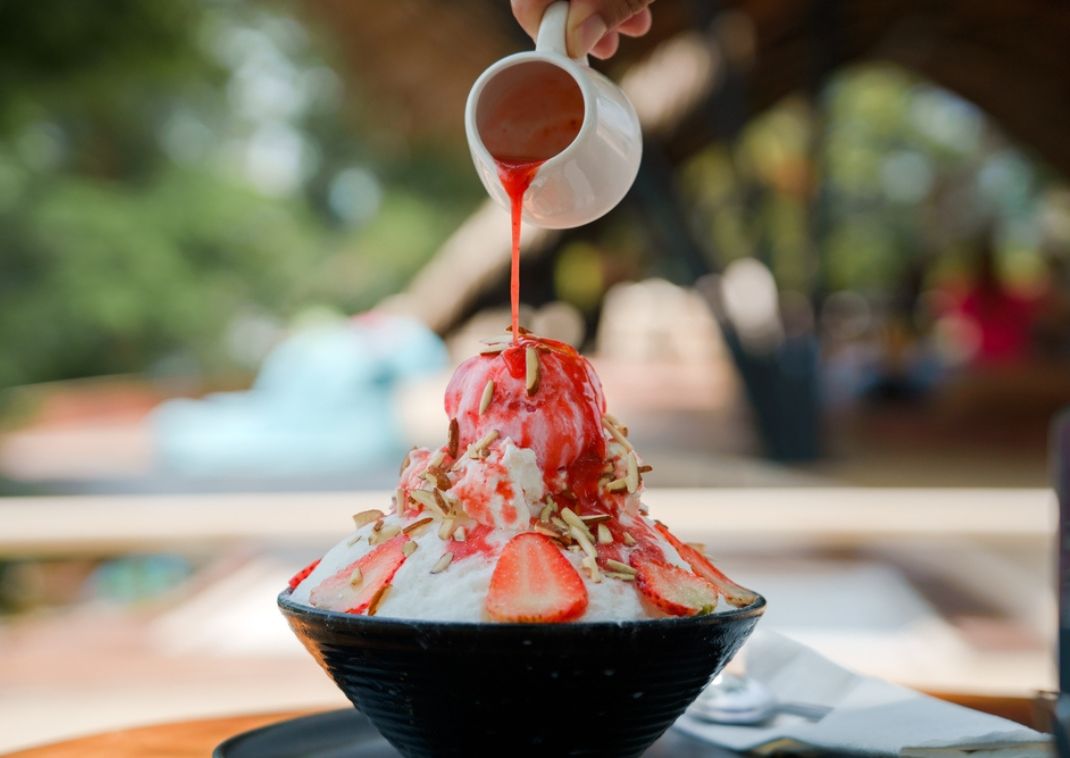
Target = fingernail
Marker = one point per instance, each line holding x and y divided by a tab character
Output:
588	34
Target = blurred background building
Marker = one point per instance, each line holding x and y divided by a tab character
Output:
242	246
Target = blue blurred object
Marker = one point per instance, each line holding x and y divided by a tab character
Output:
323	403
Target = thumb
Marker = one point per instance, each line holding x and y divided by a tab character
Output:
589	20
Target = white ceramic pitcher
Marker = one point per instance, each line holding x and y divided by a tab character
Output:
588	177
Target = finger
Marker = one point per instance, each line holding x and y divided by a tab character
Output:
590	20
637	25
529	14
607	46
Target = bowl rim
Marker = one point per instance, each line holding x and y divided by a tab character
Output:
334	618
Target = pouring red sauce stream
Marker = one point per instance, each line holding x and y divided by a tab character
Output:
516	178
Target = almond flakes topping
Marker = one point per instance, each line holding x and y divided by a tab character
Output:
620	567
631	479
356	577
572	519
408	548
616	433
584	542
428	500
531	374
596	518
629	540
383	534
454	438
373	606
605	537
366	517
417	525
442	564
488	393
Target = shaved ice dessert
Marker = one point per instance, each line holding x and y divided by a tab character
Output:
530	511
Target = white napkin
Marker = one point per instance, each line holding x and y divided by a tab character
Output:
869	716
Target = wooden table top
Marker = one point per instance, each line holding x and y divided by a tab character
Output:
197	738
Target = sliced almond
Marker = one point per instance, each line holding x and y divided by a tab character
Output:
481	445
488	394
417	525
605	537
408	548
617	485
384	534
591	565
623	568
454	438
442	563
632	477
426	498
596	518
366	517
531	374
629	540
377	599
440	501
438	479
356	577
646	468
584	542
459	534
445	528
616	433
620	575
572	519
547	511
545	531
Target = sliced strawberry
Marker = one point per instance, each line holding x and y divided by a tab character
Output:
301	575
703	566
534	582
675	591
354	593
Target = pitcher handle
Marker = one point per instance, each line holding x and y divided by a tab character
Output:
553	30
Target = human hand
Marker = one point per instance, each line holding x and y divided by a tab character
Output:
594	26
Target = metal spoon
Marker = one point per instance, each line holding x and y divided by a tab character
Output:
742	701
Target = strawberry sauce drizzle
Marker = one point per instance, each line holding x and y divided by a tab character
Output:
516	178
561	421
475	541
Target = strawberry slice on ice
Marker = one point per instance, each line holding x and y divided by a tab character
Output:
703	566
358	585
301	575
673	590
533	582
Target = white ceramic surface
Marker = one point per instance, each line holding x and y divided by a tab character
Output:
589	177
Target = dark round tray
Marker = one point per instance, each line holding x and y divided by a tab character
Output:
347	733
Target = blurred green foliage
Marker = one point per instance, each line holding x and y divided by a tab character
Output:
881	177
169	168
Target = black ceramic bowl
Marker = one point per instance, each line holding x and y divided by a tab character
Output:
465	689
